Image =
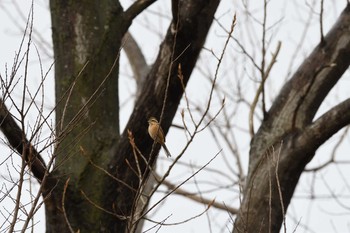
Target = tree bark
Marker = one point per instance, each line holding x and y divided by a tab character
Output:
288	137
97	161
18	141
178	47
86	37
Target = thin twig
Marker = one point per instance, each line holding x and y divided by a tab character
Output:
120	217
63	206
321	23
260	89
198	199
172	191
280	189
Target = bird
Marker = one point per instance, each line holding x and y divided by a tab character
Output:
156	133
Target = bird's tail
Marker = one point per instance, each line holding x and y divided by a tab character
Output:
166	151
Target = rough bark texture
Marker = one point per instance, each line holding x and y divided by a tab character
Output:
18	141
87	37
195	17
288	137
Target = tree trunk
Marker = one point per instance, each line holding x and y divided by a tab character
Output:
288	137
96	163
86	37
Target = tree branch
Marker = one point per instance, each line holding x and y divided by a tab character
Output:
14	135
326	126
260	89
301	96
136	8
178	47
197	198
317	74
289	125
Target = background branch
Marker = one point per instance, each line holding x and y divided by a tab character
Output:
197	198
136	59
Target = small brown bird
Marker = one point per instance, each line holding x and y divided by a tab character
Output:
157	134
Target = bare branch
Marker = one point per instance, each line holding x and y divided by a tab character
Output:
63	206
196	17
14	135
260	89
332	159
199	199
326	126
300	98
321	23
136	59
136	8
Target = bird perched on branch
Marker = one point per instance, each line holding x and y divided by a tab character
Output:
157	134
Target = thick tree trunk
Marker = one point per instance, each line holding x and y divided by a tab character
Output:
287	139
86	37
99	163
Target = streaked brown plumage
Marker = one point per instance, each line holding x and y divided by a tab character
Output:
157	134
